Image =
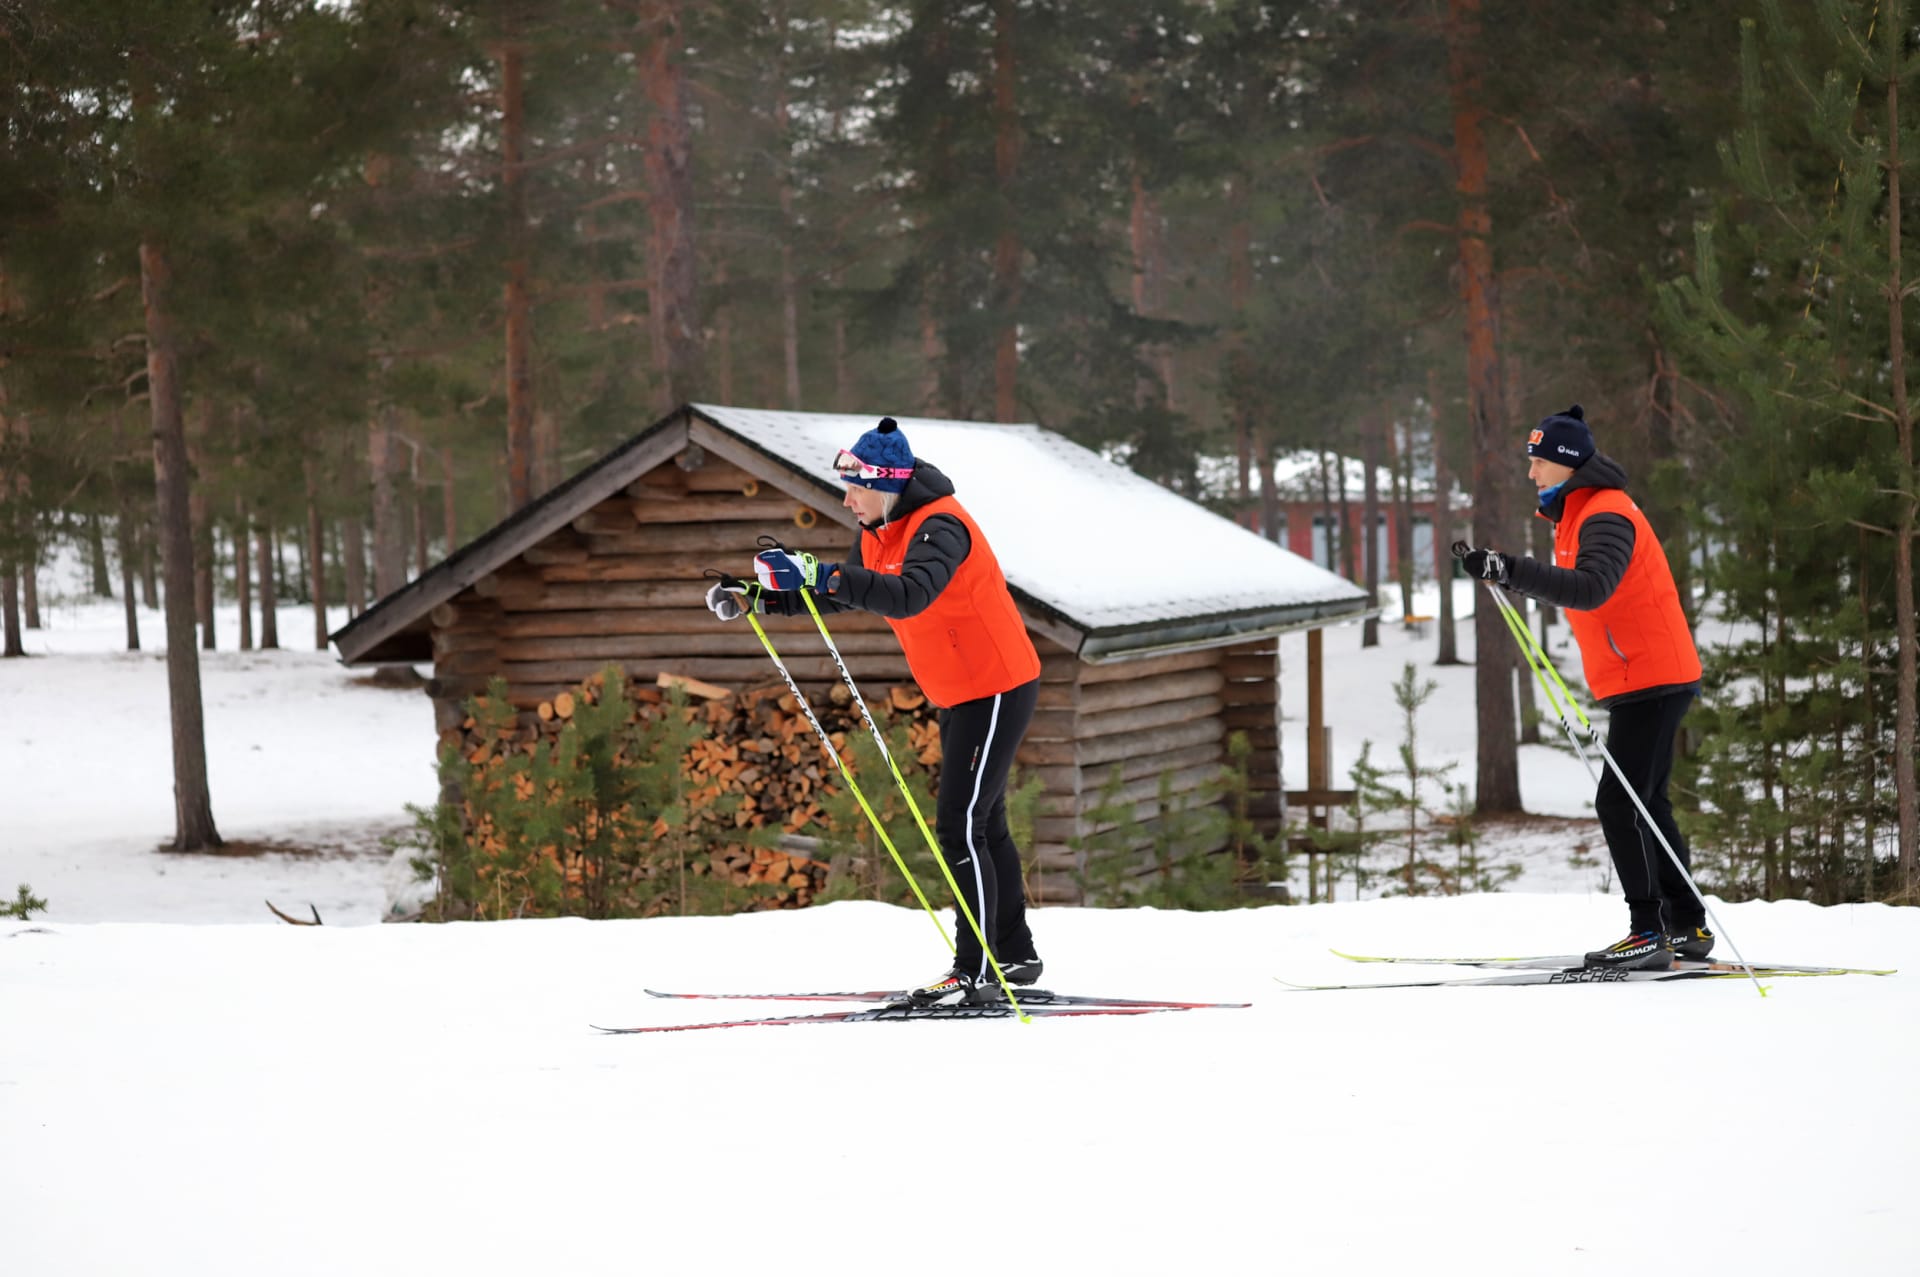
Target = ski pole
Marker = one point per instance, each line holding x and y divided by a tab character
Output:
826	743
1536	657
833	649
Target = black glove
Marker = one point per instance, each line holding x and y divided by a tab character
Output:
1486	565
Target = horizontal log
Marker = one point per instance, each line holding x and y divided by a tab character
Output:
1250	717
466	608
446	642
1073	779
633	567
1109	749
1058	695
516	578
1319	797
775	512
568	596
1055	890
1142	821
557	550
1182	780
1148	667
728	671
711	641
1260	737
1054	857
649	620
1265	692
714	477
1102	697
720	540
1141	718
1243	667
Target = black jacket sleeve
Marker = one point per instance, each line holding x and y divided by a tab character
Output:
1606	547
939	546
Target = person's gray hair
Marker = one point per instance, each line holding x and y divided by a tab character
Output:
888	500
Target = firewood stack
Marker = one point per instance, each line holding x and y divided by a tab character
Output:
758	746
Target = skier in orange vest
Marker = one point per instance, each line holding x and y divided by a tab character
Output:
921	562
1612	578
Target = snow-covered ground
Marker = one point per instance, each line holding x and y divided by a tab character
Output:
261	1098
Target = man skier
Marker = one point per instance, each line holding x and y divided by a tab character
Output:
1612	578
921	562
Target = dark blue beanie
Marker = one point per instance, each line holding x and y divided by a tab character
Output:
1563	437
885	457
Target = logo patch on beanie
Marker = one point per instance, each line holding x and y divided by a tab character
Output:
1536	437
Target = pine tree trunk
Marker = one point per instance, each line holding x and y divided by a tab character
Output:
1269	493
1443	531
675	313
243	575
723	333
1006	249
149	573
1906	723
449	508
789	285
1370	531
1239	373
518	302
1497	774
389	532
10	640
204	543
353	563
193	802
30	582
269	609
316	558
1328	520
97	553
128	529
422	550
29	563
1399	468
842	365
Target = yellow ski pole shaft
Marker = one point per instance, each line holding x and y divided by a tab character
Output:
1536	657
826	742
833	650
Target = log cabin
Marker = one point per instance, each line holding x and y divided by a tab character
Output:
1157	621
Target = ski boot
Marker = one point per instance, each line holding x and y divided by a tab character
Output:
950	989
1693	943
1640	951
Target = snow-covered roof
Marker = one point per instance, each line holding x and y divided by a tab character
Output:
1105	562
1107	550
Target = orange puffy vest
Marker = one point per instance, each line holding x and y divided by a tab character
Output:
970	642
1639	637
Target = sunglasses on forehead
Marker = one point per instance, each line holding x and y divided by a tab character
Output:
848	466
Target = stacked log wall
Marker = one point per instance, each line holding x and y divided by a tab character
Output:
1147	717
625	583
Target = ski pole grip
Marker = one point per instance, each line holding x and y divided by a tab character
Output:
1461	549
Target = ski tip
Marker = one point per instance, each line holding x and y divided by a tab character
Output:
1350	957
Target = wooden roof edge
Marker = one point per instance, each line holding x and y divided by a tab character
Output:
1130	642
513	536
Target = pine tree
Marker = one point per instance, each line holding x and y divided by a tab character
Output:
1796	308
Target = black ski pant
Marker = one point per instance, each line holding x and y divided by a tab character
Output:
977	742
1640	737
